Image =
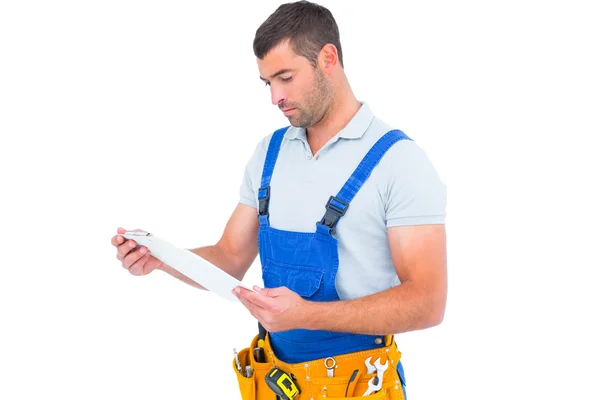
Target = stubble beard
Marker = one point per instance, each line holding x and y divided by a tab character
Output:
317	102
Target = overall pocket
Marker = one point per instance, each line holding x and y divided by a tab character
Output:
305	280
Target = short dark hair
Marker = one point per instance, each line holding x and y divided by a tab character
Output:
307	25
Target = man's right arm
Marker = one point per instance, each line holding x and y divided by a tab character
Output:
235	252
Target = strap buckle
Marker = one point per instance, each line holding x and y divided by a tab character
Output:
335	209
264	194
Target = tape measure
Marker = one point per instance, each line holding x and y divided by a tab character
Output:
282	384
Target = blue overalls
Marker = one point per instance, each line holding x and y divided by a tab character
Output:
307	263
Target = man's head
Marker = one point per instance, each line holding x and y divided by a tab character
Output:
298	50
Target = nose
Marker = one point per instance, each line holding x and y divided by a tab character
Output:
277	95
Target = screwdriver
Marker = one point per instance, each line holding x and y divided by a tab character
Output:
259	351
352	378
237	361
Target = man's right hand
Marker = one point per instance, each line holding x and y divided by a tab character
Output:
136	261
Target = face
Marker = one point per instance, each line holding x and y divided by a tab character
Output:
301	91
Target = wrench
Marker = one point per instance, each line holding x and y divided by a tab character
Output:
373	387
376	382
380	370
370	368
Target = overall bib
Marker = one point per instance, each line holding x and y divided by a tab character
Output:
307	264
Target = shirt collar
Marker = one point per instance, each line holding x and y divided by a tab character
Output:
357	126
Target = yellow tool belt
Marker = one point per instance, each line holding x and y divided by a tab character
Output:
312	376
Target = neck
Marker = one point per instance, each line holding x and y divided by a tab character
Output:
342	110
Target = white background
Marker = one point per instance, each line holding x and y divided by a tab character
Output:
143	115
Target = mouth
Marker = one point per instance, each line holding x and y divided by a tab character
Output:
288	111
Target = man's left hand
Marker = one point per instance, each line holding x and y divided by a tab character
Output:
277	309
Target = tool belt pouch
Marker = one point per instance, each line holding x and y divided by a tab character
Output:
247	385
312	380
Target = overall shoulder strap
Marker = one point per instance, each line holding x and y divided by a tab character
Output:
337	206
264	192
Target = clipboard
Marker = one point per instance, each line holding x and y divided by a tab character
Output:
189	264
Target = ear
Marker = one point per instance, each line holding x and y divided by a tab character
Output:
328	58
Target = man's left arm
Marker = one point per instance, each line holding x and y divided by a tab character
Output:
419	302
419	256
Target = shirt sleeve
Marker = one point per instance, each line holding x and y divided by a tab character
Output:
252	175
247	191
416	194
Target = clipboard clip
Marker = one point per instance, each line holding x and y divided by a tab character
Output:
137	233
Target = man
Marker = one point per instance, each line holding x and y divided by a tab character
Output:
350	227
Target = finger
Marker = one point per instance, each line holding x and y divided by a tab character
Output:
241	292
124	249
138	267
254	311
270	292
242	299
257	299
245	303
258	316
133	256
117	240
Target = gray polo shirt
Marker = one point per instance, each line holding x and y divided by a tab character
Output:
403	189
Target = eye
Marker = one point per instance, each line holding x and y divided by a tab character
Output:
267	83
286	79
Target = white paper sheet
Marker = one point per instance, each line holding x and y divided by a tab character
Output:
190	264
